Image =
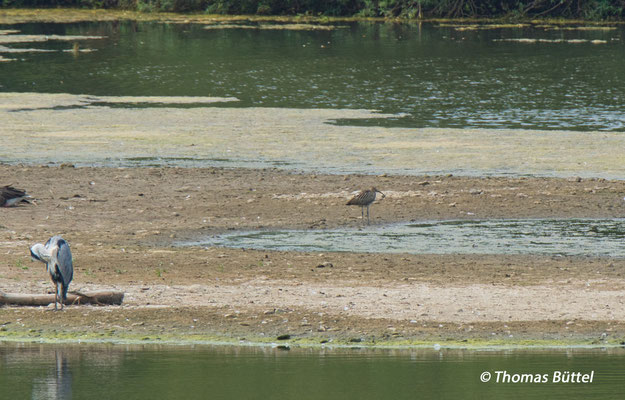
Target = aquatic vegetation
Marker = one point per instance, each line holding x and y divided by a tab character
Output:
293	27
402	10
158	100
25	101
532	40
87	129
70	15
472	27
175	339
16	38
577	28
533	24
230	26
4	49
12	36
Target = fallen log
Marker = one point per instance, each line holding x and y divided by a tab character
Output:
98	298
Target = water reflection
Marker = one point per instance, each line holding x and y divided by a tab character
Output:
58	383
51	371
196	372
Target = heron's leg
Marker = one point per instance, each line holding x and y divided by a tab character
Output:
60	294
56	294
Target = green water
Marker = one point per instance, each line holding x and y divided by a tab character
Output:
435	76
564	237
153	372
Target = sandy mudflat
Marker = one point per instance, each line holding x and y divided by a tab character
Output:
121	224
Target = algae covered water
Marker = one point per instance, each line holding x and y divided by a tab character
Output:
557	237
357	98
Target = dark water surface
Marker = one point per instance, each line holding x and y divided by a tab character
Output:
566	237
157	372
430	75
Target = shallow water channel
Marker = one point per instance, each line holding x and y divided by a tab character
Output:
49	371
567	237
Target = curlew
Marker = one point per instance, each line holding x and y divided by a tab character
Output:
364	199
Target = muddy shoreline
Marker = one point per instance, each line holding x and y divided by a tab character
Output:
121	223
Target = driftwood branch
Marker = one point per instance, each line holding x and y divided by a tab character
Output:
98	298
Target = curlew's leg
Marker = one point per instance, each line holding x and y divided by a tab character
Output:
368	222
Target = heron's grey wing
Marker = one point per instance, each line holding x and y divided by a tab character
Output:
64	262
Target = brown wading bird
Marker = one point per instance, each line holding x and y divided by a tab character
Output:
364	199
10	196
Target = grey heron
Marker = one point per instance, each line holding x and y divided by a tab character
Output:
364	199
58	259
10	196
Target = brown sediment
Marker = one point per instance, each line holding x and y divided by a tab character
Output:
121	223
